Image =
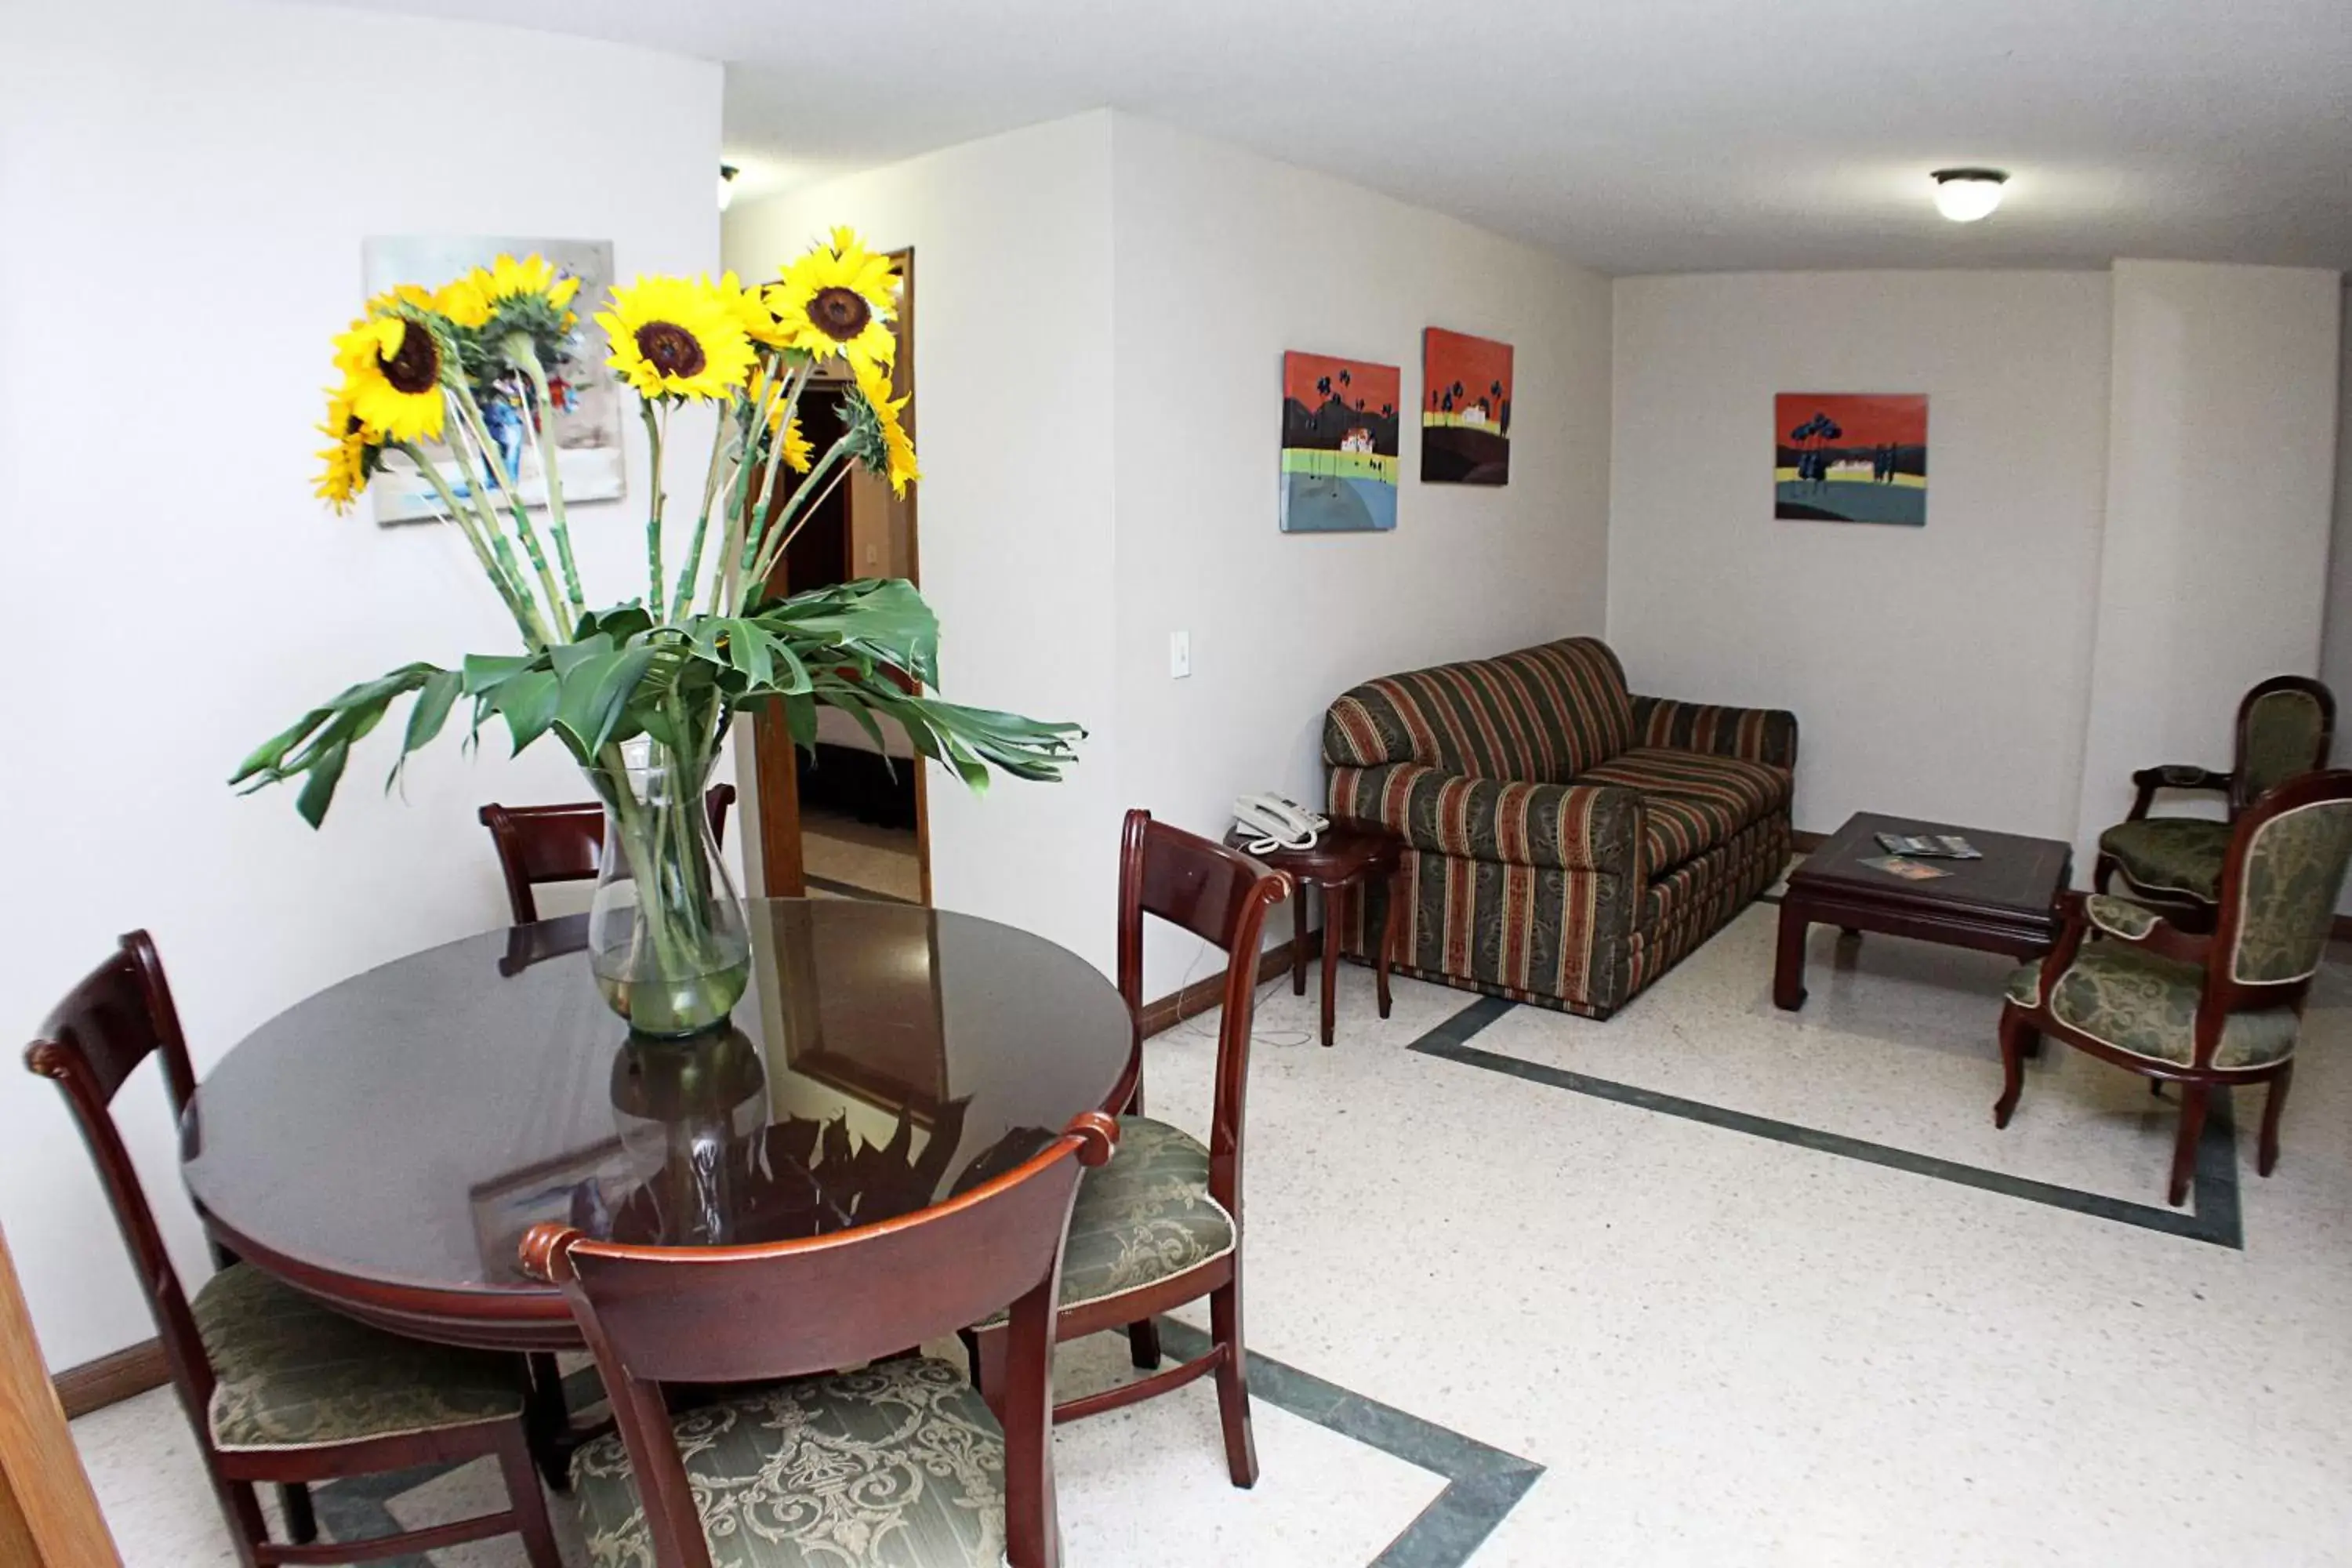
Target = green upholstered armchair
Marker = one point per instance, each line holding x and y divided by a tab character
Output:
2202	1011
2286	726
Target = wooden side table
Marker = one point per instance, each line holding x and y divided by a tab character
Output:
1341	864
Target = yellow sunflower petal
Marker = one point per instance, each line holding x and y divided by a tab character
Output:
874	386
392	370
838	300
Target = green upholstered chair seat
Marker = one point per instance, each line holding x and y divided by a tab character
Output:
290	1374
2146	1005
2177	855
1144	1217
1751	791
900	1465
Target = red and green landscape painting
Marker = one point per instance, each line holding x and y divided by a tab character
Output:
1339	444
1849	457
1465	416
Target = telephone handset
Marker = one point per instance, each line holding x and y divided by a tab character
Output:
1276	823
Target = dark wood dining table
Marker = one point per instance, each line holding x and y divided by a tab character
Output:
384	1144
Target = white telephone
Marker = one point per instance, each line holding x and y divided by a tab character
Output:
1276	822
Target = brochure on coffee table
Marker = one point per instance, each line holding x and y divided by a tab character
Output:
1909	870
1935	846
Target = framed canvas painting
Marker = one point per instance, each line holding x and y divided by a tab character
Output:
587	403
1339	444
1851	456
1465	413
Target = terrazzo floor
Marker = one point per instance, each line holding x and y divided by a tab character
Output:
1725	1340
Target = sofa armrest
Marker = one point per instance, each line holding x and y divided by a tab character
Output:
1751	734
1572	827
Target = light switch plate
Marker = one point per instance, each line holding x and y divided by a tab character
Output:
1179	654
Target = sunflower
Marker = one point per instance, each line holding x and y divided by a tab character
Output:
349	458
676	337
796	448
507	279
393	365
465	301
886	448
759	323
839	298
400	294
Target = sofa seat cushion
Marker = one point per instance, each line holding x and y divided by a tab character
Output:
1753	791
899	1465
2135	1002
289	1374
2180	856
1677	828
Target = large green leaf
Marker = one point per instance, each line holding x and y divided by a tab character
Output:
594	700
526	702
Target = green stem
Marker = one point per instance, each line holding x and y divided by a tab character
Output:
496	471
654	431
517	606
557	523
693	567
779	533
759	523
486	518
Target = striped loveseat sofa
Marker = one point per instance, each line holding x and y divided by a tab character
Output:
1565	841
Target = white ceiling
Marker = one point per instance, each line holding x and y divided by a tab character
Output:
1632	135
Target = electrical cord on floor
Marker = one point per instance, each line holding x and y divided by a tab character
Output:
1198	1030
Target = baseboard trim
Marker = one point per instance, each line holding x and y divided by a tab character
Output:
1205	996
111	1379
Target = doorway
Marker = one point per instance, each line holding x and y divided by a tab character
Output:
845	818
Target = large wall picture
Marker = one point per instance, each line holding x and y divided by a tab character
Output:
1465	409
1851	456
587	404
1339	444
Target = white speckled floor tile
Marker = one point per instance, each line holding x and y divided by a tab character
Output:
1723	1349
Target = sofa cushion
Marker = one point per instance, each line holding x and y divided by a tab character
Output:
1542	715
1679	827
1752	790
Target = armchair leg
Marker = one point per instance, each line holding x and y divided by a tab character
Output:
1143	1345
2272	1103
2018	1038
525	1501
301	1518
1233	1380
2184	1150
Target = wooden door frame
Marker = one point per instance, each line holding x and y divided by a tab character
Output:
48	1515
783	871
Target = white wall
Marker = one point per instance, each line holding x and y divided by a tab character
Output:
1012	420
2336	643
1224	260
1942	671
184	188
2220	481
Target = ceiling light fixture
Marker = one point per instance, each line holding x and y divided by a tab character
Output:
1965	195
726	172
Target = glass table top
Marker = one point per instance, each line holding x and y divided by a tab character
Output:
408	1125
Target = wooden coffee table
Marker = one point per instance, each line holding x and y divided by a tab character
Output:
2007	902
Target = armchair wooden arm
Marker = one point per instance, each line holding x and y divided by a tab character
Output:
2173	776
2136	923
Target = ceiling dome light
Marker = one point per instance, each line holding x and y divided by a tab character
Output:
1965	195
727	185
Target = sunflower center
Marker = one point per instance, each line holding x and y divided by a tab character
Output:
416	366
840	314
670	349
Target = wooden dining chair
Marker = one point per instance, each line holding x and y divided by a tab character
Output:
542	844
2205	1011
901	1461
1161	1223
279	1388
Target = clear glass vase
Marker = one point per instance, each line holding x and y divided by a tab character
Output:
665	934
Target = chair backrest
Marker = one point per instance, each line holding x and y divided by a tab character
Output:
1221	896
2286	727
539	844
1542	715
120	1015
656	1315
2288	856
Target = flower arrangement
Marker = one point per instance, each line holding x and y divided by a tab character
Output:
643	692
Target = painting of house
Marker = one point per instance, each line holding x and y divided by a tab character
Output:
1339	420
1843	456
1465	411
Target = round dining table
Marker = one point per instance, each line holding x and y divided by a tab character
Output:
383	1145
